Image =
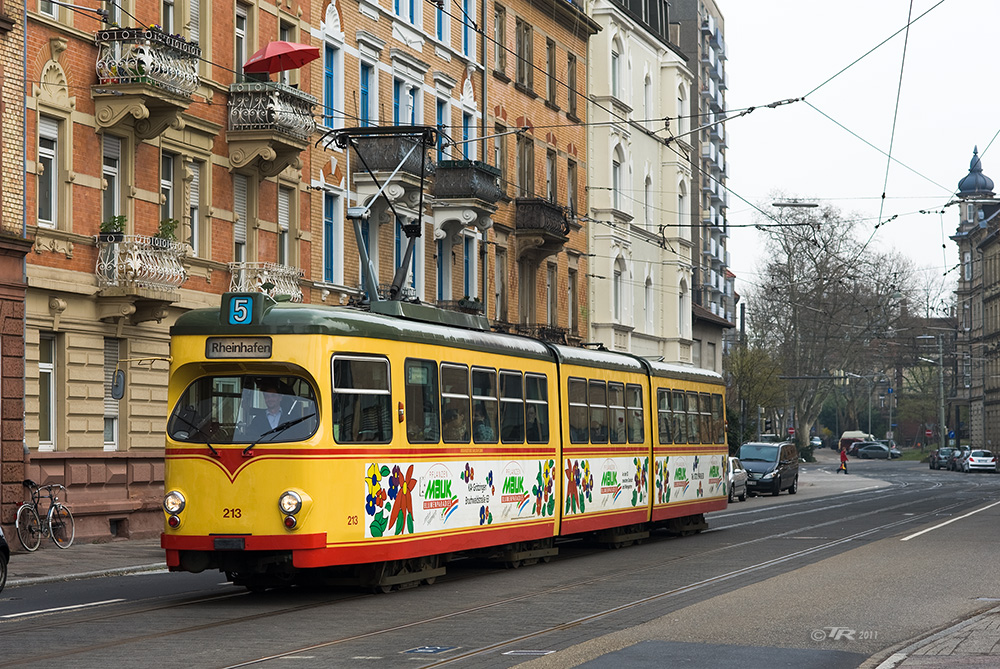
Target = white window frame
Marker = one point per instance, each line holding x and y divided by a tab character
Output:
168	170
285	204
47	369
112	417
241	37
168	20
194	208
48	8
111	173
48	164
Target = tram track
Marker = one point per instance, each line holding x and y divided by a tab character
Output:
453	578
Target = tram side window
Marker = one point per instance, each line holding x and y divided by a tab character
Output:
598	396
680	417
693	418
361	400
421	396
579	427
536	425
484	406
633	400
455	403
616	407
718	420
664	416
511	408
705	405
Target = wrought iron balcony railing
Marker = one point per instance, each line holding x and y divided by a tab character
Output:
147	56
384	154
465	179
272	107
536	214
266	277
140	262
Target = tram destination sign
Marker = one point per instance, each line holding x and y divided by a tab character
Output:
237	347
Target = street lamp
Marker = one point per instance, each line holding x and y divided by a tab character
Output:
940	363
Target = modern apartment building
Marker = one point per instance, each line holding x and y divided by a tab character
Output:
642	241
702	39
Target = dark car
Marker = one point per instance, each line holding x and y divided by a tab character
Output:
771	467
957	457
4	558
876	451
940	457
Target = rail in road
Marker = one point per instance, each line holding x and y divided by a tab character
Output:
479	616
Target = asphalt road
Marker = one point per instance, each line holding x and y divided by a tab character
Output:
848	569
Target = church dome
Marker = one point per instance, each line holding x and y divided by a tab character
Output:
975	183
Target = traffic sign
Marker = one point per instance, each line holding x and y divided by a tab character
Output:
927	433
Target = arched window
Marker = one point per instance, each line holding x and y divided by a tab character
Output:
649	303
647	202
618	290
683	310
682	210
616	50
616	178
683	122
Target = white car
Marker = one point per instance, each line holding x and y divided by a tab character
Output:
737	480
980	461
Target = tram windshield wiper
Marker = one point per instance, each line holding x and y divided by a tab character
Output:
280	428
198	430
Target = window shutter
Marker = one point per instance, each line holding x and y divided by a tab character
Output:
284	207
195	186
111	356
240	208
112	147
194	22
48	127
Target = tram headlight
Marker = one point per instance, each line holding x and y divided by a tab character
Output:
173	502
290	502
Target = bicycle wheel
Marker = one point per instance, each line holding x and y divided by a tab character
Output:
29	527
61	526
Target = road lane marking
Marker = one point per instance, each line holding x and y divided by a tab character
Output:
948	522
61	608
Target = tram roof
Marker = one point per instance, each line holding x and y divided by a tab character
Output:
292	318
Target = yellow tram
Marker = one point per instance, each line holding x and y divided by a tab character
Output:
338	444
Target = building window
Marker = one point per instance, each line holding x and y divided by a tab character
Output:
48	8
241	187
404	103
467	41
440	116
241	38
649	304
110	172
571	302
48	168
167	16
113	9
526	291
194	209
333	82
571	186
525	166
523	49
616	183
112	354
647	101
614	72
284	220
47	393
647	202
366	95
571	83
500	155
552	296
500	281
469	266
616	293
167	190
550	69
499	39
286	33
332	242
468	135
550	176
406	10
967	266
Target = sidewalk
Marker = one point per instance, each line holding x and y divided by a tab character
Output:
50	564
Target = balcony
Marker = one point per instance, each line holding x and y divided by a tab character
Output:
399	152
138	276
270	124
146	74
541	228
465	193
266	277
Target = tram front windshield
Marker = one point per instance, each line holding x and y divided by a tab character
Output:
245	410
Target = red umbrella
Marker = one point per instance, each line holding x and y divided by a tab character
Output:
280	56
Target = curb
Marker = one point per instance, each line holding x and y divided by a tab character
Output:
902	654
117	571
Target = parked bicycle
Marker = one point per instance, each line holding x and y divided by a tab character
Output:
56	522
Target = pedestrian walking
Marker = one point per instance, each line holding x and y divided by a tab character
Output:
843	459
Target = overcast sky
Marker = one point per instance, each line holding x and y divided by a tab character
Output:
780	49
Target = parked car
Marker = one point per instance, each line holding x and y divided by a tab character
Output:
771	467
941	457
855	446
816	442
980	460
878	451
737	480
4	559
957	457
852	436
